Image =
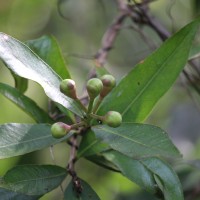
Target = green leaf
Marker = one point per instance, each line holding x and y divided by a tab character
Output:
90	145
47	48
34	179
23	62
137	140
165	177
18	139
133	169
91	148
25	103
100	160
138	92
6	194
20	83
87	192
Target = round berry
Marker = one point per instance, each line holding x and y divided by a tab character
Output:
68	87
60	129
113	119
109	83
94	87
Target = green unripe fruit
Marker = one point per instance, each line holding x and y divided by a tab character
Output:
113	119
60	129
94	87
68	87
109	83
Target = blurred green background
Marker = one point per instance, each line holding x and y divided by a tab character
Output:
79	35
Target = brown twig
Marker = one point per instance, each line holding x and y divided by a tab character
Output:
139	13
111	33
144	17
71	165
72	158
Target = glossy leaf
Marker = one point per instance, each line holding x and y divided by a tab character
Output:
100	160
165	177
6	194
133	169
137	140
47	48
25	103
18	139
91	148
138	92
34	179
90	145
22	61
87	192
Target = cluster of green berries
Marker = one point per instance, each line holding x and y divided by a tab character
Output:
100	86
97	89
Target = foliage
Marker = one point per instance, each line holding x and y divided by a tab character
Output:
140	152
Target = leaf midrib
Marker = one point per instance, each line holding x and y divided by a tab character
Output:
151	80
134	141
26	141
10	185
88	147
35	179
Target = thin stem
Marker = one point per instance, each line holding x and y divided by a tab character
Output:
96	116
71	165
111	33
81	105
72	158
99	100
91	102
77	125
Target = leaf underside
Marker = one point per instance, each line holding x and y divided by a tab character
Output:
34	179
6	194
19	139
23	62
